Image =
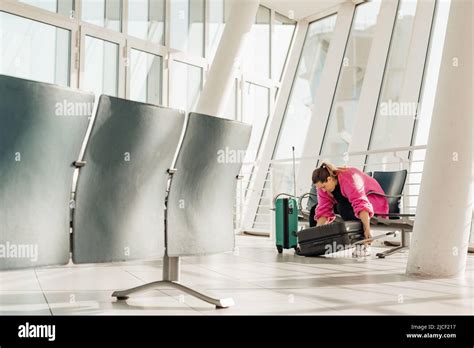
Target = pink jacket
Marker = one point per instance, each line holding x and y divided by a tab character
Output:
354	185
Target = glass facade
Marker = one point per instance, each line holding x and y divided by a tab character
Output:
395	116
301	102
64	7
34	50
351	77
145	79
256	112
101	67
216	23
186	85
187	26
256	60
159	52
146	20
103	13
283	30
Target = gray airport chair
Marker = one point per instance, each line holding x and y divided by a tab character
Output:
136	192
42	127
392	184
199	214
121	187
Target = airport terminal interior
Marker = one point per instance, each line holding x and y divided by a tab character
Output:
164	157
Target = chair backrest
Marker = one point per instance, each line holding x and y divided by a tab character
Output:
392	184
201	200
312	198
121	190
42	127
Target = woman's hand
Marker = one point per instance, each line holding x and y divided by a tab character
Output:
321	221
367	234
365	218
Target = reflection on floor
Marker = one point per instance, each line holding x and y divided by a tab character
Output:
258	279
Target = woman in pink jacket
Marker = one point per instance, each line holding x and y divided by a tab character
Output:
347	190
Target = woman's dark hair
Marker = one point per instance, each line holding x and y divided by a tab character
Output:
324	171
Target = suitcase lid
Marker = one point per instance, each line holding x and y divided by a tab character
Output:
321	232
328	230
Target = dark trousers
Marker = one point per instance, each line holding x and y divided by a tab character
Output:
344	209
312	212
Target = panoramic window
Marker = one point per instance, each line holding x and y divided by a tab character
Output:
301	102
146	20
217	11
187	26
34	50
338	134
256	60
101	66
283	30
64	7
104	13
256	112
395	118
145	77
186	85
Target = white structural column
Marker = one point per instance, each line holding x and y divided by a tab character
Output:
442	226
219	81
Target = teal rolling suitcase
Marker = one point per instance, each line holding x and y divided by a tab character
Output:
286	224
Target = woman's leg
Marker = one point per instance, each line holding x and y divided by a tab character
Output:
312	212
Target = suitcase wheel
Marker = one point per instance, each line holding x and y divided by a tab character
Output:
280	249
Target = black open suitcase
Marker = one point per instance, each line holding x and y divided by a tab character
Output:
329	238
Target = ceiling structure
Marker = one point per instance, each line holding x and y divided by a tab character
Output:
299	9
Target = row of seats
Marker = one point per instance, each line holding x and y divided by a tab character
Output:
144	180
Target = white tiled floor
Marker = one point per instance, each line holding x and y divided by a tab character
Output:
258	279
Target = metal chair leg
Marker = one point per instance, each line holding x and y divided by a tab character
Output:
218	302
405	244
171	272
390	252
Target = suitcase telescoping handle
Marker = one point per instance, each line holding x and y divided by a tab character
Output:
376	237
367	240
294	172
